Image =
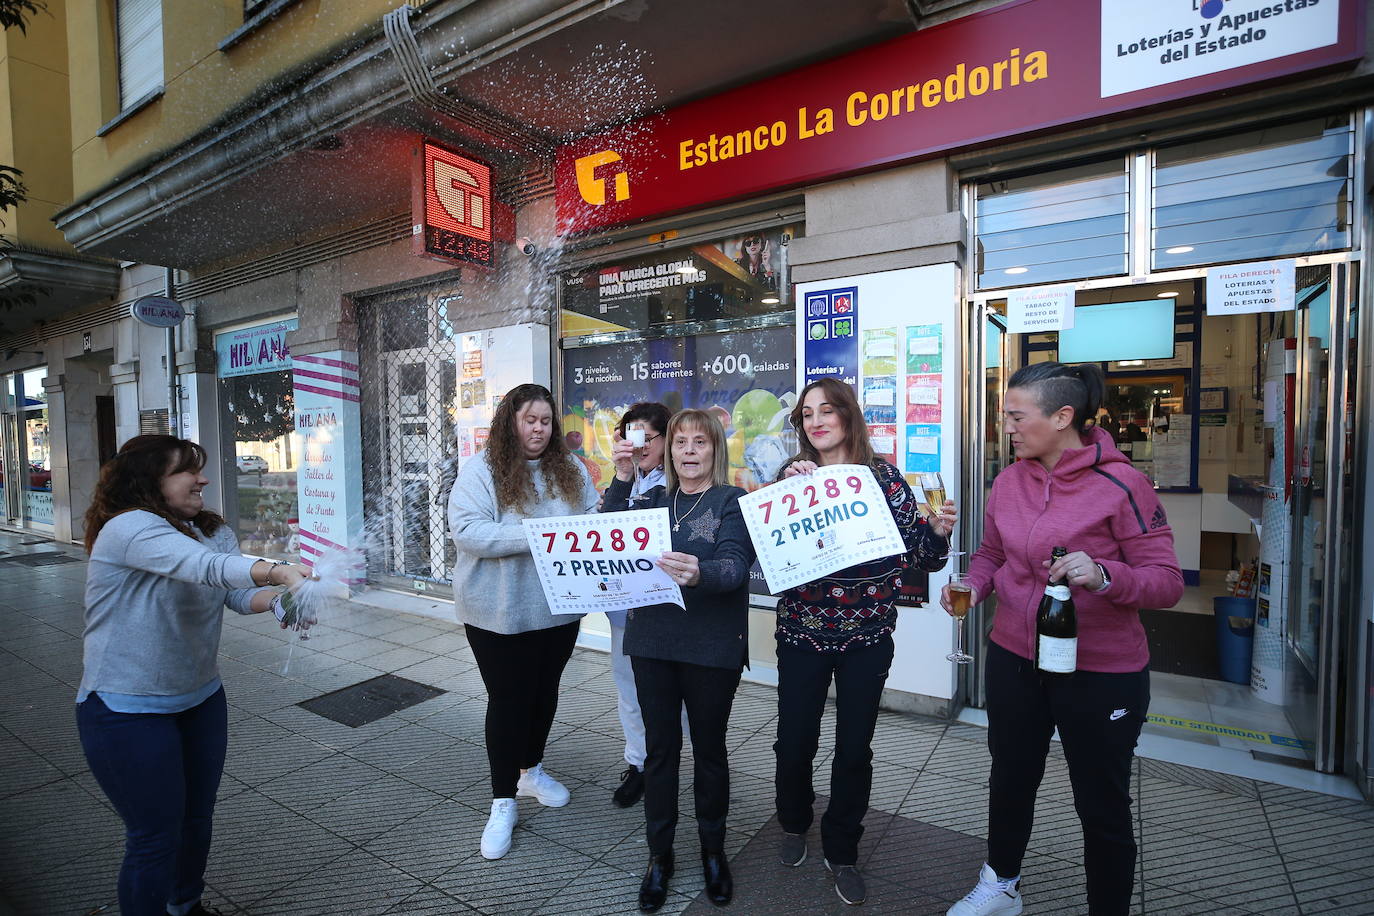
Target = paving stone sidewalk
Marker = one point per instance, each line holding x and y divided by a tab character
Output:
319	818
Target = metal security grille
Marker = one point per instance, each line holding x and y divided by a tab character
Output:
409	388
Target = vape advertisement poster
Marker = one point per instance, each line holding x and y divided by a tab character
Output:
746	378
603	562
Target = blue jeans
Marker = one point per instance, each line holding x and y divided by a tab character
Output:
161	772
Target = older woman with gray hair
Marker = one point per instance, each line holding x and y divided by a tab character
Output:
692	656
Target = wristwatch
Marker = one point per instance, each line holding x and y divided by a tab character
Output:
1106	579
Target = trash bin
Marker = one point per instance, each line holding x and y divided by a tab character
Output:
1235	636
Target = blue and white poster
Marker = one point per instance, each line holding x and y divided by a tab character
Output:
831	332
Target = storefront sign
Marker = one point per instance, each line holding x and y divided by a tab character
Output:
831	330
591	563
454	209
1243	289
1024	66
1043	308
810	525
1151	44
249	351
157	311
330	462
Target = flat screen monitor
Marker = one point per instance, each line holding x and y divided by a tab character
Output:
1119	330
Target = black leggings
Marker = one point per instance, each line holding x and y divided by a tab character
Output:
521	672
1099	717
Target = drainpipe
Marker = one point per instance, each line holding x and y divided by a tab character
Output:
173	402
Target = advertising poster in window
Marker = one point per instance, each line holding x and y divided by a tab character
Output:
746	378
908	363
257	403
734	278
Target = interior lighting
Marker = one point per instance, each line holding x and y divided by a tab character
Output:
1168	294
1179	249
770	300
1016	270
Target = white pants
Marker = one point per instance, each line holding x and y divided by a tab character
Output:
627	703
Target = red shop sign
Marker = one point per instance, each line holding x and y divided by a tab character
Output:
1023	67
453	207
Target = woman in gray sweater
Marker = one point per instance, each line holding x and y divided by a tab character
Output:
525	471
150	709
693	656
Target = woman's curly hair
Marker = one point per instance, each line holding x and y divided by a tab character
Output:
132	479
506	457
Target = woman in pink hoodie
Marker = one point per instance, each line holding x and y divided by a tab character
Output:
1070	487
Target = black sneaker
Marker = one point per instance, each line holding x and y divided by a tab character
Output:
792	849
849	884
631	787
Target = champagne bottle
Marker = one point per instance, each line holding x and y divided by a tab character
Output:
1056	627
285	610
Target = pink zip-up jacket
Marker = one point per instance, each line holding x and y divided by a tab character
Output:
1093	501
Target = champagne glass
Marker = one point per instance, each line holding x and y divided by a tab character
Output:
960	596
934	485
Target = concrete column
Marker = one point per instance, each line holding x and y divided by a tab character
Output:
124	378
72	427
905	217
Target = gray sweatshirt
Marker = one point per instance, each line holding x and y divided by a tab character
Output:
495	584
155	603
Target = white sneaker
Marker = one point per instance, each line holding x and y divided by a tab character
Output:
500	826
541	786
993	895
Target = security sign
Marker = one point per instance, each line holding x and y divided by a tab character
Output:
454	218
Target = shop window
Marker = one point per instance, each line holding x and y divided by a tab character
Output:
25	451
138	26
257	406
742	276
1061	225
1268	193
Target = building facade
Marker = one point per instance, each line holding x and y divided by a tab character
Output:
882	191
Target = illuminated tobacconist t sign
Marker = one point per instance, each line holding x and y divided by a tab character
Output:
453	207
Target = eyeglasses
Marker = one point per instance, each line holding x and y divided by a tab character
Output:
648	439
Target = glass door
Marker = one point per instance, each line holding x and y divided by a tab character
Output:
11	493
989	452
1323	529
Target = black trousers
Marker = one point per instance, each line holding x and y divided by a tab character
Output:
521	672
1099	717
803	684
708	693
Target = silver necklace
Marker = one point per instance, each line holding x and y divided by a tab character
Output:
677	525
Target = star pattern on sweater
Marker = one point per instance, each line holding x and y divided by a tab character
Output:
704	527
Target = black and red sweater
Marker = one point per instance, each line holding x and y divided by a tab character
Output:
857	606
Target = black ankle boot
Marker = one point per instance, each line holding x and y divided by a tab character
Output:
653	890
720	886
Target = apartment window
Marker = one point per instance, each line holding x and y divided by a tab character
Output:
1061	225
1283	190
139	25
